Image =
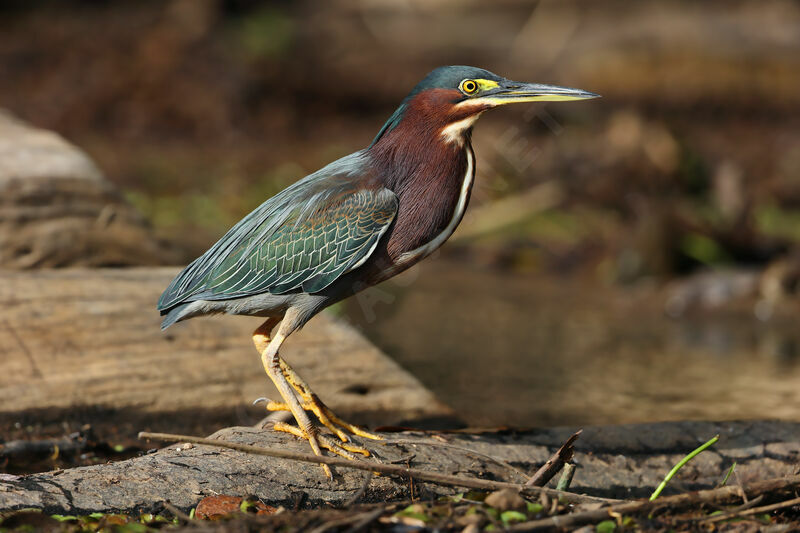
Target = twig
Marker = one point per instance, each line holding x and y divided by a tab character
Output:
367	519
566	477
500	462
751	511
679	501
555	463
361	520
405	459
396	470
680	465
752	503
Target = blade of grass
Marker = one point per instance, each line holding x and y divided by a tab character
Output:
728	475
681	463
566	477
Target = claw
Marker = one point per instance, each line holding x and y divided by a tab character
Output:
290	386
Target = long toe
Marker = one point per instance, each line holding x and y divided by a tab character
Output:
313	440
344	449
327	418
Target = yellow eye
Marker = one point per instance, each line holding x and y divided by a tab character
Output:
469	86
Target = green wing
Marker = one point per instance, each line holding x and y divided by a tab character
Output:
308	253
302	241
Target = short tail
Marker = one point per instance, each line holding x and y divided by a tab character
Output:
176	314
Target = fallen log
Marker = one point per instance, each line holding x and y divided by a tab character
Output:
615	462
81	343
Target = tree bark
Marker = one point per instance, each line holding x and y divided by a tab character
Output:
87	344
620	462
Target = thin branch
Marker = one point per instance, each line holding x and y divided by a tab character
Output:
679	501
361	520
751	511
366	520
500	462
556	462
396	470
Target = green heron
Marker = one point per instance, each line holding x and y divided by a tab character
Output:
352	224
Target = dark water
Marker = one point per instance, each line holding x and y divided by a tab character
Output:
525	350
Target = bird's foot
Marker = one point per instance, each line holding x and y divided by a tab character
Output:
311	436
345	449
311	402
329	419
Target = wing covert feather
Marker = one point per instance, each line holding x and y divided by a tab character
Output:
299	240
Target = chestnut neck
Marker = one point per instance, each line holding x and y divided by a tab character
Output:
426	172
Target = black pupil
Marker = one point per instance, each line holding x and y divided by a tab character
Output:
470	86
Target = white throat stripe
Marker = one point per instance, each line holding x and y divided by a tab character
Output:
454	132
466	186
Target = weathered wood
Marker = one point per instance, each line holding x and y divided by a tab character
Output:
622	462
79	339
56	209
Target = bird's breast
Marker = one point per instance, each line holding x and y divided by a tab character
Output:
431	205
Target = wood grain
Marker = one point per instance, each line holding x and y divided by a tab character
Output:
81	337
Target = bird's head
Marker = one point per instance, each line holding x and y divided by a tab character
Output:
452	98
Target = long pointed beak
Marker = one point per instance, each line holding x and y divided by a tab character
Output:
509	92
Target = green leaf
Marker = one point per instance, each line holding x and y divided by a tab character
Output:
508	517
246	505
475	495
132	527
765	518
606	526
419	516
416	511
534	508
63	518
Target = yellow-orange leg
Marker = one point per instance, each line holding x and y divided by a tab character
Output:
306	430
269	358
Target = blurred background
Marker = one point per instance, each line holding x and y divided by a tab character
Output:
633	258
